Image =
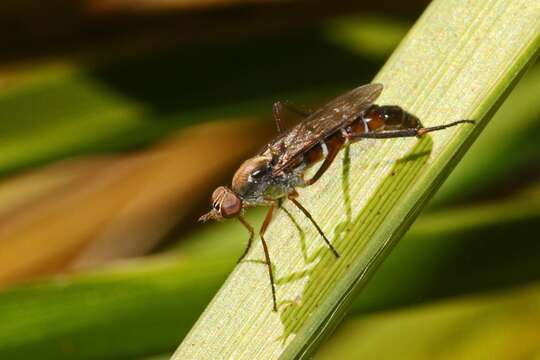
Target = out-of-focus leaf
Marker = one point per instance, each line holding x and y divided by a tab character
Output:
109	316
499	326
369	38
460	251
160	5
117	206
117	103
20	191
284	6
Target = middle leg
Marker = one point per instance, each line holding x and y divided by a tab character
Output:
292	197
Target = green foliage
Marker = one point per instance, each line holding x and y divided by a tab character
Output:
500	326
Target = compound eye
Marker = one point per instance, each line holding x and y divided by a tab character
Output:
231	205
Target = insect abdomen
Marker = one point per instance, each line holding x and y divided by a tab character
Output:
388	117
323	148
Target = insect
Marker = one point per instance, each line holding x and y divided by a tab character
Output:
278	169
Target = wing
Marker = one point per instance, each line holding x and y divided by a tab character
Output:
333	116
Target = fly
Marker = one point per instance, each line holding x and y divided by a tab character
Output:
276	171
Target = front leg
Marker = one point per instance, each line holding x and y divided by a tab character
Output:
250	240
265	224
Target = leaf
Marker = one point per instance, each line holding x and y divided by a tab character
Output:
503	325
505	151
113	315
458	62
95	210
458	251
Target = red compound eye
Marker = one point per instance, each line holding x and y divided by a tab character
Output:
230	205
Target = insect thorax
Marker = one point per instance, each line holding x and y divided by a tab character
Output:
260	191
265	186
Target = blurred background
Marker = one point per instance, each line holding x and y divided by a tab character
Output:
118	118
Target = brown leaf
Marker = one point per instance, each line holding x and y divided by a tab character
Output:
86	212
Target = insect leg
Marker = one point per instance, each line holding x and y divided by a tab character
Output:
265	224
425	130
250	229
308	215
382	122
278	111
418	132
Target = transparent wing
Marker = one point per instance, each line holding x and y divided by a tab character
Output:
333	116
